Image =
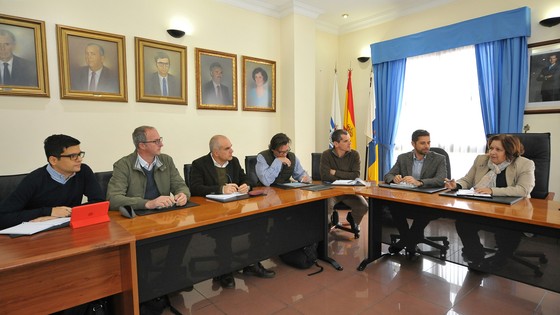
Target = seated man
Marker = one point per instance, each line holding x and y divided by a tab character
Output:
341	162
51	191
420	167
146	178
277	164
219	172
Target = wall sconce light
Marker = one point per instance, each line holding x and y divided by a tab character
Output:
550	21
175	33
363	59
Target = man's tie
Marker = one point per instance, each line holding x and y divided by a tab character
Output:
164	87
7	79
92	85
219	92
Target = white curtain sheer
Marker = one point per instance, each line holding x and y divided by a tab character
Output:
441	96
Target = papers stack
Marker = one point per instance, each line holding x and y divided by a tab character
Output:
29	228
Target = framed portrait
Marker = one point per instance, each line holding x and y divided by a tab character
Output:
161	72
91	64
544	78
259	84
216	80
23	57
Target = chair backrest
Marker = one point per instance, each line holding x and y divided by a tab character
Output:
444	153
187	174
316	166
103	180
537	149
8	184
250	169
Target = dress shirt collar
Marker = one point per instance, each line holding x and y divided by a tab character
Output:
57	177
142	163
216	164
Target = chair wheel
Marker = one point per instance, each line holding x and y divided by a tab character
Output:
538	273
394	249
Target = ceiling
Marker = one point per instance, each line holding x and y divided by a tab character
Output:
328	13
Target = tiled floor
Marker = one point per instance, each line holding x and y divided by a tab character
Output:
390	285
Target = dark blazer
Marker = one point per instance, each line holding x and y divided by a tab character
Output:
204	177
108	81
152	86
24	72
550	89
434	169
209	94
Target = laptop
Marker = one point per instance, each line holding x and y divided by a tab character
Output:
90	213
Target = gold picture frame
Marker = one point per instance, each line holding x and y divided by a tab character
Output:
23	62
216	80
83	52
539	60
161	72
259	84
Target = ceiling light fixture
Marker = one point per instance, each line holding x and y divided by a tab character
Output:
345	16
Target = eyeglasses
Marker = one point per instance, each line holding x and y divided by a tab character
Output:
74	156
284	152
163	64
156	142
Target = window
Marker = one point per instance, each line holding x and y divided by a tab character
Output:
441	96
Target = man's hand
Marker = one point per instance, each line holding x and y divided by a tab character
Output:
160	202
332	172
60	212
243	188
42	219
285	161
181	199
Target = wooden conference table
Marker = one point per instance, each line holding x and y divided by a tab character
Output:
54	270
179	248
536	216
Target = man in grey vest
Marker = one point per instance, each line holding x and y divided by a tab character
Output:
278	165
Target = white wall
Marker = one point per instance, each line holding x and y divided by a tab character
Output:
105	128
351	45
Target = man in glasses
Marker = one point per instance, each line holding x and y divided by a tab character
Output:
219	172
161	82
146	178
278	165
51	191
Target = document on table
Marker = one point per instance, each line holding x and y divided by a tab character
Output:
29	228
471	192
403	184
349	182
227	197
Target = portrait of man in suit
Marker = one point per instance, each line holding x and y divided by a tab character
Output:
162	82
94	76
214	91
14	70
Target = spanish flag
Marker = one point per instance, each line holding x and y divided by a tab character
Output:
349	120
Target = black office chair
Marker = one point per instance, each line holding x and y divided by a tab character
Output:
335	222
8	184
187	174
439	243
250	164
537	149
103	180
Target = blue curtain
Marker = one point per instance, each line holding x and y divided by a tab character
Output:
389	86
502	68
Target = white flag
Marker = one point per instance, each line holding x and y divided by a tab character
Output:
336	120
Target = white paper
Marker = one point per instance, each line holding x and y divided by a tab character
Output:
225	196
349	182
471	192
28	228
